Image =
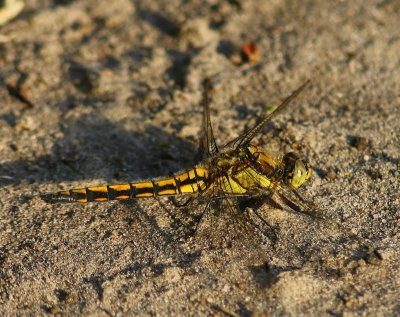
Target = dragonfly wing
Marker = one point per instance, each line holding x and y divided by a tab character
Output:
236	207
248	136
208	144
297	203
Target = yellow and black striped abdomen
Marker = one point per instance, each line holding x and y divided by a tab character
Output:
191	181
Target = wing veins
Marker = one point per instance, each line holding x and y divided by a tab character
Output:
208	143
247	136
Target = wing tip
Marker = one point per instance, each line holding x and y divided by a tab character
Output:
301	88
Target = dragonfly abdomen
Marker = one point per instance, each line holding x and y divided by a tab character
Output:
188	182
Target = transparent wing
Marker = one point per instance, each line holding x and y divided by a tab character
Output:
281	195
297	203
294	201
247	136
233	204
208	145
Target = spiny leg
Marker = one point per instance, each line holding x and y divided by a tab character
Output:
265	222
201	216
255	203
258	198
178	204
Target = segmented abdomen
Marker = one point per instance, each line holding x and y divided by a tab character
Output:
188	182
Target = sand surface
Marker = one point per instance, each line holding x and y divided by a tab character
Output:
93	93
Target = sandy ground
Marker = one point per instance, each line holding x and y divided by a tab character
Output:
93	93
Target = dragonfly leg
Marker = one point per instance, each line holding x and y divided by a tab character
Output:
201	218
179	204
256	202
274	236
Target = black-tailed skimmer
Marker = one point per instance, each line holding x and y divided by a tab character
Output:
238	169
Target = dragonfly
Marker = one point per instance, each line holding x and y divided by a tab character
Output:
239	169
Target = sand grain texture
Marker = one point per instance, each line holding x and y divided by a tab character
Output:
93	92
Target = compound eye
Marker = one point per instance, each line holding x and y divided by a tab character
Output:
300	174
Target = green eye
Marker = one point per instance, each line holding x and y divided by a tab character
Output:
300	174
296	171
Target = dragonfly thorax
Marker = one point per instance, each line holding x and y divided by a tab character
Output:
226	160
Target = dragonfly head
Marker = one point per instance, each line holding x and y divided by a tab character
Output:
297	171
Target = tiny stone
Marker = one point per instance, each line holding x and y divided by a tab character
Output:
210	300
373	258
360	143
331	175
241	286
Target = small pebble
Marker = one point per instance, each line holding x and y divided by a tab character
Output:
250	53
360	143
331	175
